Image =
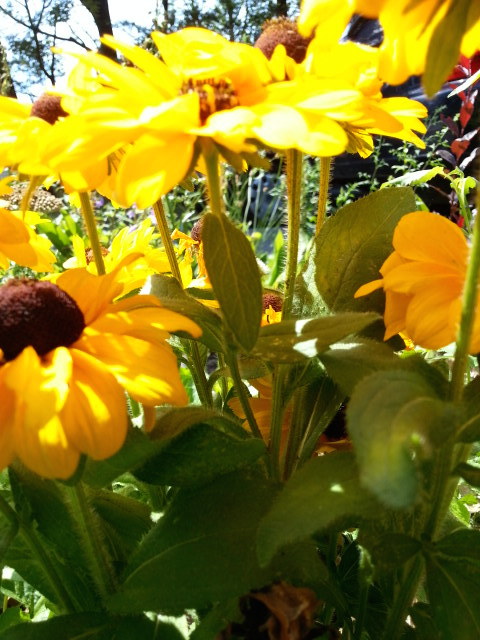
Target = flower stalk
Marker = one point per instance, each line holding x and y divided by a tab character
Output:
92	541
212	163
92	231
294	193
325	166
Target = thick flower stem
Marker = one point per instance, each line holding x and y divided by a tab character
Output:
92	541
159	213
294	193
406	593
191	348
92	232
242	394
213	180
276	419
323	186
37	549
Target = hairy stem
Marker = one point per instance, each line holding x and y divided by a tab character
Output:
92	232
294	192
323	186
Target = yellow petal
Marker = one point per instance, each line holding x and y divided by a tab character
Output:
94	416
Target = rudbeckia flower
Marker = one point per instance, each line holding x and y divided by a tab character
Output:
205	88
423	281
130	240
408	27
25	139
68	356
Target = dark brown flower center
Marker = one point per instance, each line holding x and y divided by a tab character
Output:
89	257
38	314
282	31
215	95
273	300
48	108
196	232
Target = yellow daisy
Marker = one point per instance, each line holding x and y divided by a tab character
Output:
423	281
68	356
408	27
130	240
156	113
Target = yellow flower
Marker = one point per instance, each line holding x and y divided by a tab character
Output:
26	133
423	281
130	240
351	71
20	243
156	114
408	29
69	355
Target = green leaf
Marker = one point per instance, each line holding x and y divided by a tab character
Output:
425	629
392	550
137	449
52	520
443	50
199	455
173	422
416	177
354	243
202	551
217	620
307	301
453	584
348	362
469	431
173	297
93	626
469	473
324	492
233	272
294	340
11	617
388	417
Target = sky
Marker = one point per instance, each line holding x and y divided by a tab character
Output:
141	12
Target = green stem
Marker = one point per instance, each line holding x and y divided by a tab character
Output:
276	420
92	231
294	192
193	352
323	186
296	432
37	549
406	593
159	213
92	541
212	163
242	393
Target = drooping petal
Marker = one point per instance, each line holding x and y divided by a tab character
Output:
94	415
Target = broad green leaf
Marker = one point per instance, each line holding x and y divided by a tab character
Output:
388	417
173	297
217	620
233	272
136	450
173	422
469	472
198	455
443	50
294	340
55	526
348	362
425	629
416	177
307	301
93	626
202	551
453	584
392	550
326	491
11	617
354	243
